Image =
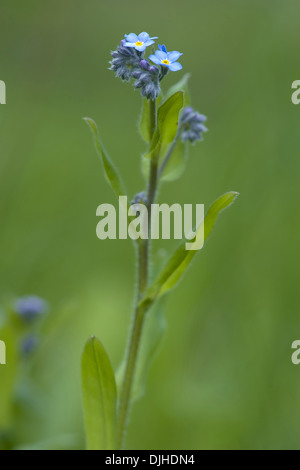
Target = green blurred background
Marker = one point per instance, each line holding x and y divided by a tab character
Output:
223	378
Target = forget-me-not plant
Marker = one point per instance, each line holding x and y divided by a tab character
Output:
167	124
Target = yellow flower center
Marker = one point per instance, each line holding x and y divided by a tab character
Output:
165	61
138	43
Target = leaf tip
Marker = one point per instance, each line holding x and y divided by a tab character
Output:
91	123
235	195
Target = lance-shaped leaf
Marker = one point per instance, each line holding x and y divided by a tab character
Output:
99	394
110	170
167	123
181	259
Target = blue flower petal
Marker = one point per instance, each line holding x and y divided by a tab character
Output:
140	48
149	43
154	59
129	44
162	48
173	56
161	55
143	37
175	67
131	37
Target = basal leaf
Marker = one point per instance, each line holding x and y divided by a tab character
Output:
110	170
181	259
99	395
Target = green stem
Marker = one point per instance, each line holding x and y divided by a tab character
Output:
126	388
169	153
140	312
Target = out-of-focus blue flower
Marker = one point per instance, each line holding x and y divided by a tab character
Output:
140	198
166	59
29	345
147	80
192	126
30	307
139	42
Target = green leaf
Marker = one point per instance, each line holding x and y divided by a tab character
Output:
178	159
111	172
177	163
182	85
181	259
167	117
167	123
99	395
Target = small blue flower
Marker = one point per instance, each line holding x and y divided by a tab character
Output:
166	59
140	198
31	307
29	345
139	42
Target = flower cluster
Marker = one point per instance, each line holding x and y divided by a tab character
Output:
147	79
124	61
140	198
192	127
128	62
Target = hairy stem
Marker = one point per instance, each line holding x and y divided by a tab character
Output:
169	153
139	314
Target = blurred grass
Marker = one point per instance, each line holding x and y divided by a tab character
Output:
223	378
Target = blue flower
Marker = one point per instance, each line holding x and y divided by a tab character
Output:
192	127
139	42
29	345
31	307
166	59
